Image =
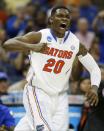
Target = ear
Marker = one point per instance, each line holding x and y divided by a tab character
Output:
50	19
70	17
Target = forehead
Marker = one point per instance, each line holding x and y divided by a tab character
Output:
62	11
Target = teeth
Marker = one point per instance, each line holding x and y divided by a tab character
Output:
63	25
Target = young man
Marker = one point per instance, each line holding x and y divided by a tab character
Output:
45	94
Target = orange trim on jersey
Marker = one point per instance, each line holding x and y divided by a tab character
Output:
39	109
38	106
31	111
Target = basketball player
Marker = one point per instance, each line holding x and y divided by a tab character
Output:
45	95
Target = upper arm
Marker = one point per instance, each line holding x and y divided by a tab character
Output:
31	37
82	50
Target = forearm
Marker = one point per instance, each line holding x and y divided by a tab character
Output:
95	76
90	64
16	45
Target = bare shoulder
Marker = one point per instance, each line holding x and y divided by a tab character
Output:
82	50
31	37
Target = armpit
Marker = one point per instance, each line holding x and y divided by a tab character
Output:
82	50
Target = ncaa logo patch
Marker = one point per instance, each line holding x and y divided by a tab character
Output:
39	127
49	38
72	47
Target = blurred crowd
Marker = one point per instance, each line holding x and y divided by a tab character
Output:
87	22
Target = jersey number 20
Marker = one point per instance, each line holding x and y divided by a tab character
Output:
53	65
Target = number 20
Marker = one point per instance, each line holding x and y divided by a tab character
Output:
58	65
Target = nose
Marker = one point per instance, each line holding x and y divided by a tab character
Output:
64	20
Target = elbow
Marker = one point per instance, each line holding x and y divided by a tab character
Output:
7	44
4	45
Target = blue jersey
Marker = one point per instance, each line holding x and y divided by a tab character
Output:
5	117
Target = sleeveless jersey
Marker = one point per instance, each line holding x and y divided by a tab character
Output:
51	69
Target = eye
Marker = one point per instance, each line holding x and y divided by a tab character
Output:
68	16
59	15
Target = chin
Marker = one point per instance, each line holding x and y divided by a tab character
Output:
62	32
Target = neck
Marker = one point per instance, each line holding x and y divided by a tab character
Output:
58	34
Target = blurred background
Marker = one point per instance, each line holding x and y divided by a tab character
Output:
22	16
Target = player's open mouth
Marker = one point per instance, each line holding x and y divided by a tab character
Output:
63	25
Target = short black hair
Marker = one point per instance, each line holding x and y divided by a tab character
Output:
55	8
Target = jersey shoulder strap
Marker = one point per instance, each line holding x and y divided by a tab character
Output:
45	35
